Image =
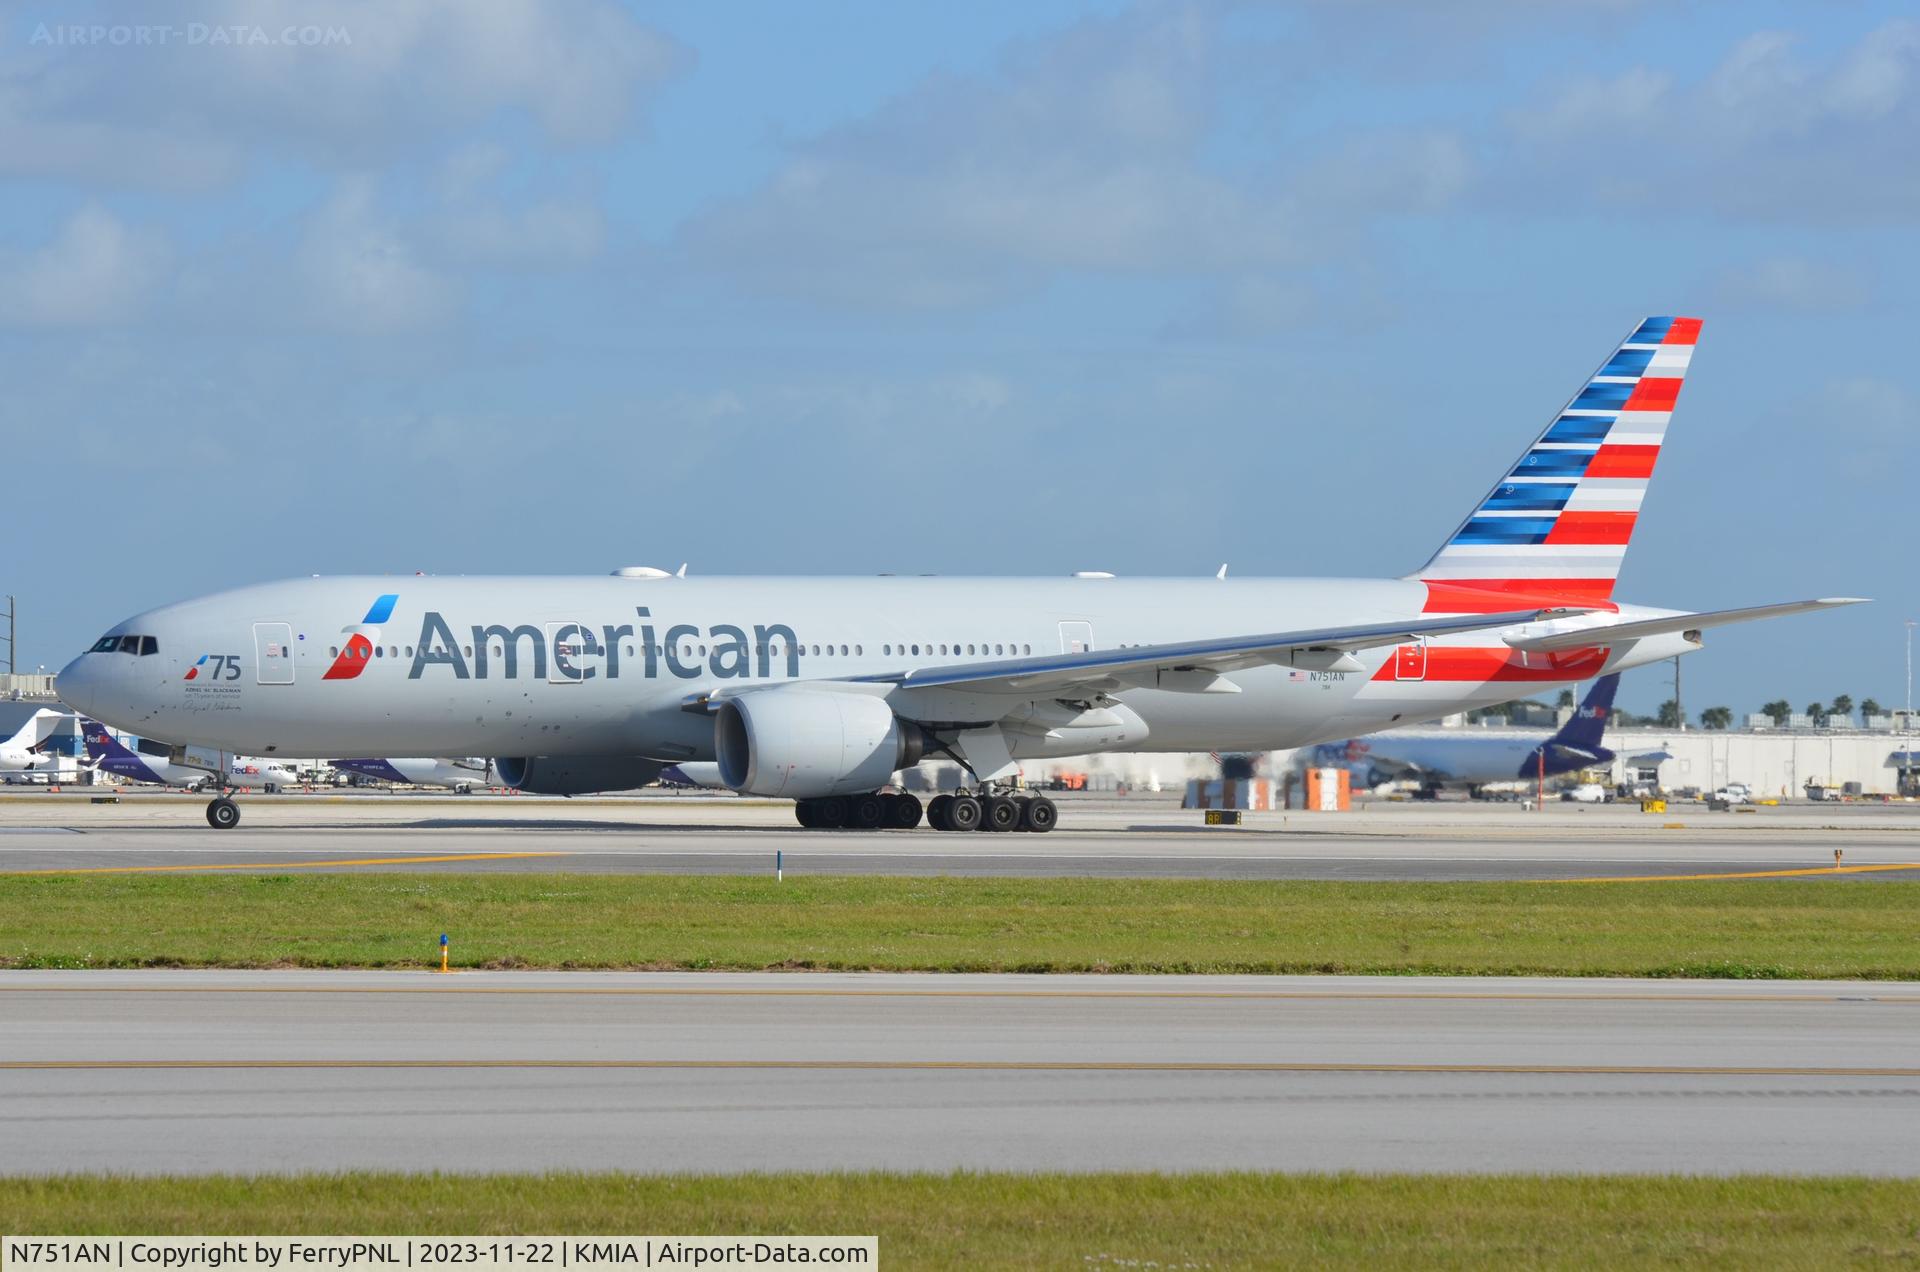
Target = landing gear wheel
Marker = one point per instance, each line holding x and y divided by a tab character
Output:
1039	816
869	812
964	813
223	814
999	813
831	813
903	812
803	812
937	812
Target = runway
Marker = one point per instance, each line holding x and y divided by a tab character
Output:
284	1071
1108	838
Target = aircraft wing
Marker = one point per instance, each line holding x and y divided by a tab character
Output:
1621	633
1194	665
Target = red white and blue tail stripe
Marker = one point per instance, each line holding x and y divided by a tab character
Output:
1559	522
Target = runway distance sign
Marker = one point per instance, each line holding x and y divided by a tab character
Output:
467	1254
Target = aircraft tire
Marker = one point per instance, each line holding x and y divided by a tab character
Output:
832	812
223	814
903	812
937	811
999	814
867	812
1039	816
964	813
803	813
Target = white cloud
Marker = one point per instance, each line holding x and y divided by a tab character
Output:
94	271
1085	151
1767	134
403	74
356	272
1793	283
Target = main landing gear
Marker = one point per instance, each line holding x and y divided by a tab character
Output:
985	810
1035	814
223	814
859	812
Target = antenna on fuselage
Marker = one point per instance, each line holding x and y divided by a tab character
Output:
1223	571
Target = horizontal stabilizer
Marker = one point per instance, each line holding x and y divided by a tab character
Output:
1622	633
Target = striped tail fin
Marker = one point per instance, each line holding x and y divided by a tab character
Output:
1558	524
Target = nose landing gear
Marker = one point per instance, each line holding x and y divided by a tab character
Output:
223	814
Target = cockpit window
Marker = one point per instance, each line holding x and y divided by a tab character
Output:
129	644
149	645
105	645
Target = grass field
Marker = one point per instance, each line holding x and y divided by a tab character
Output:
1057	1221
1746	929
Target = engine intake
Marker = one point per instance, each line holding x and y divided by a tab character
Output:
804	743
576	774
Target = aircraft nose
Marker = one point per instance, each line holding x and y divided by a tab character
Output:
78	684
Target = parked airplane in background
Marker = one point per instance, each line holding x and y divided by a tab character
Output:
21	752
693	774
821	689
461	775
150	763
1471	757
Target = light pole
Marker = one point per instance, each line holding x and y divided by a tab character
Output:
1906	720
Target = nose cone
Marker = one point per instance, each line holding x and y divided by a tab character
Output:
78	684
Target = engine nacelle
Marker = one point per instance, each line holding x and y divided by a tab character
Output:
803	742
575	774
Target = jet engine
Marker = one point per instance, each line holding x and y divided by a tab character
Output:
575	774
804	743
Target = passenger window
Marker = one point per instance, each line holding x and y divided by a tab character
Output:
333	651
843	651
916	651
856	651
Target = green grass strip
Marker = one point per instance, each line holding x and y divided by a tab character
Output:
1756	929
1216	1221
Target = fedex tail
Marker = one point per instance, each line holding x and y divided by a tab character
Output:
1577	745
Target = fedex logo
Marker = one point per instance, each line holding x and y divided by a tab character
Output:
216	667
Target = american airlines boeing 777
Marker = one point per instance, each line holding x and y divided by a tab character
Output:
821	689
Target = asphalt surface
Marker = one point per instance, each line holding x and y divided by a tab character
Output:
281	1071
1115	838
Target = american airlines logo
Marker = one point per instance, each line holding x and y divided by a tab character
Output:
584	651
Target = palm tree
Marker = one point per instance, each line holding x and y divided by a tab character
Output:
1716	718
1778	710
1566	698
1670	714
1843	707
1815	712
1869	707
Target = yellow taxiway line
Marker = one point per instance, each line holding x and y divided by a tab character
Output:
1009	1066
1807	872
291	865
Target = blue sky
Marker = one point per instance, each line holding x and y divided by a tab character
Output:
995	288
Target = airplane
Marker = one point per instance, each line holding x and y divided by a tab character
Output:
150	763
692	775
21	752
821	689
1472	757
461	775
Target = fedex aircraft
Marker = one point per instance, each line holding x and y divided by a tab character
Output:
820	689
108	754
461	775
1473	757
21	752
